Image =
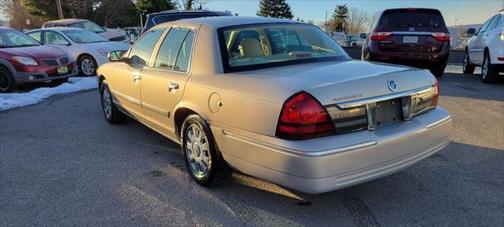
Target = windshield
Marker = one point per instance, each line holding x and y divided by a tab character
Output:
83	36
269	45
88	25
12	38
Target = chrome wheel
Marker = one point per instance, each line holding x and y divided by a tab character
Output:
197	151
107	103
87	66
484	68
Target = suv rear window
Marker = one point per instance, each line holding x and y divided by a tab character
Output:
412	18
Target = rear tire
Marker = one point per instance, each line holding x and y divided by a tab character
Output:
467	66
111	113
488	73
438	70
203	160
7	82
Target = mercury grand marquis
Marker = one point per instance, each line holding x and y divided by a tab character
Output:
275	99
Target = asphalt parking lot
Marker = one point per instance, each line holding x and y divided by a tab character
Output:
61	164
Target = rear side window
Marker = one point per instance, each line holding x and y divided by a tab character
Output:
175	50
411	18
142	49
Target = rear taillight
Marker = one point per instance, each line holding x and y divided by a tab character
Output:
435	96
303	117
441	36
379	36
502	34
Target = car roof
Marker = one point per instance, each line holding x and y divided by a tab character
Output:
56	29
225	21
66	21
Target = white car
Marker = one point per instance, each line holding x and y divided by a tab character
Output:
486	49
87	48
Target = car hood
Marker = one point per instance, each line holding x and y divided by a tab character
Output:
37	52
332	82
111	33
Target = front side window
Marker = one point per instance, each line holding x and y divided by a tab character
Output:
270	45
12	38
84	36
53	38
142	49
175	50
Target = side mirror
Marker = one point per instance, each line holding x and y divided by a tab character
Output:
471	32
115	56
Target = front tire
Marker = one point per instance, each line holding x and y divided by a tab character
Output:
488	73
202	158
87	65
7	82
467	66
110	111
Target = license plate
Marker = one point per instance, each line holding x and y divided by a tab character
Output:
387	112
410	39
62	70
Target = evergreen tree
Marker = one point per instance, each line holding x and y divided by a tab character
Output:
339	17
275	8
152	6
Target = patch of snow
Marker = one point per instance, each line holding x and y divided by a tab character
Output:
74	84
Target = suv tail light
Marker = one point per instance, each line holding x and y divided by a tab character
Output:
303	117
379	36
435	97
441	36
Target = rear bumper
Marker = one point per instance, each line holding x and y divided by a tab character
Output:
334	162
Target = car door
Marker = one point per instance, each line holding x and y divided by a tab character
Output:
163	84
126	82
477	46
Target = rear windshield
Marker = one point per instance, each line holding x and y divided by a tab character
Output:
269	45
412	18
159	19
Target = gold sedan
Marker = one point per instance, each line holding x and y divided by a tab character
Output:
275	99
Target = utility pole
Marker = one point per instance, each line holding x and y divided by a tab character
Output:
60	9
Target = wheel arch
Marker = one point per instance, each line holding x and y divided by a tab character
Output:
182	111
101	78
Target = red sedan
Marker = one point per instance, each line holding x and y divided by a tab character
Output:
24	60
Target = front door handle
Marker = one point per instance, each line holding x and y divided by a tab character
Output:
136	78
172	86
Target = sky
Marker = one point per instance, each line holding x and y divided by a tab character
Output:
461	11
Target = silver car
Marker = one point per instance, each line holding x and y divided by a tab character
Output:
275	99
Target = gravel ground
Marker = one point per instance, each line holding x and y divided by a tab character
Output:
61	164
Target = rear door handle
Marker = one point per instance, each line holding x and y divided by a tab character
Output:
172	86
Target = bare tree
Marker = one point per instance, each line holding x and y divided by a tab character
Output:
17	15
109	10
357	21
192	4
79	8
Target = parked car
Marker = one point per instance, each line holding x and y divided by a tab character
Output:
410	36
87	48
275	99
24	60
154	19
108	33
486	49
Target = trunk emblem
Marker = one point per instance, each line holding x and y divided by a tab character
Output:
411	29
392	85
